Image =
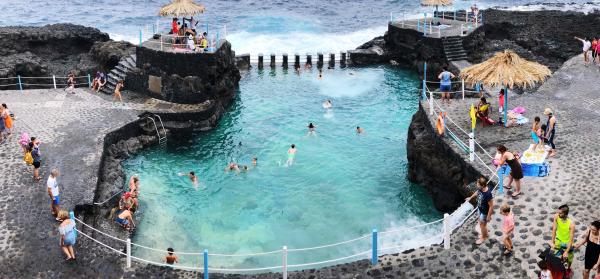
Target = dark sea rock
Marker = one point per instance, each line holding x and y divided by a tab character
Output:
188	78
56	49
434	165
546	37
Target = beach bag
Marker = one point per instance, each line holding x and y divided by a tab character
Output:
28	158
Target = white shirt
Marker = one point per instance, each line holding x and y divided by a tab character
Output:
53	185
586	45
545	274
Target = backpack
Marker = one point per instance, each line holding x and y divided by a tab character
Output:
28	158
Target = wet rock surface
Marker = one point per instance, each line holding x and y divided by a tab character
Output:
546	37
56	49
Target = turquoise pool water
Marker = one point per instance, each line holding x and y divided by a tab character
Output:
341	185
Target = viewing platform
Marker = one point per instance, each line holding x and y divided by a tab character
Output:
440	24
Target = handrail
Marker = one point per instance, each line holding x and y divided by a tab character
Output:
111	197
285	251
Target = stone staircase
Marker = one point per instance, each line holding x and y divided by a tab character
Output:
454	49
119	72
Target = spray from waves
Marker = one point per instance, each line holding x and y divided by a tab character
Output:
585	8
300	42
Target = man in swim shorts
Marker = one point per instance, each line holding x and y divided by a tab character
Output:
563	230
445	84
54	193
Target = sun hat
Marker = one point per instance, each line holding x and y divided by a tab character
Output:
547	111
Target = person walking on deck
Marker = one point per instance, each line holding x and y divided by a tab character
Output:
550	131
68	237
563	230
586	48
445	84
53	193
591	240
516	171
485	206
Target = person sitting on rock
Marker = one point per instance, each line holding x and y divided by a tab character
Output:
125	219
96	80
101	82
70	83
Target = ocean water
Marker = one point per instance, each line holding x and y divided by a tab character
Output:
341	185
270	26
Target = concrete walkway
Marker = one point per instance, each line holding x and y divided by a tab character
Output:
572	93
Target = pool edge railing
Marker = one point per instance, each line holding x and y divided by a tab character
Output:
21	81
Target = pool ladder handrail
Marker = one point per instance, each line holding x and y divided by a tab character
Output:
162	140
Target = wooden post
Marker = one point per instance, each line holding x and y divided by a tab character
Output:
309	59
343	59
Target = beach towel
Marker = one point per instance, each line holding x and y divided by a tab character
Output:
519	110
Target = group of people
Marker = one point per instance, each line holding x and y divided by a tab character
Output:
588	46
128	205
6	123
99	81
187	34
563	230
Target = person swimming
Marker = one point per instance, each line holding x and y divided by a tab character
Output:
327	104
254	161
312	129
193	178
291	155
244	168
232	167
359	130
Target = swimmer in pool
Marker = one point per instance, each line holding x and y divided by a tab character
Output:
312	129
254	161
193	178
359	130
291	155
244	168
320	74
232	167
327	104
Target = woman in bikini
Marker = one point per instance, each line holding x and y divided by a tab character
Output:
591	240
516	172
118	88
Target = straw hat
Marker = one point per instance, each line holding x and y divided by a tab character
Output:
547	111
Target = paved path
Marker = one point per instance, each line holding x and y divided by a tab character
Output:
572	93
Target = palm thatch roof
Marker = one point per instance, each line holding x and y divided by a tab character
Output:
180	8
436	2
506	69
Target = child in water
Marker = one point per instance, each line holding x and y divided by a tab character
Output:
312	129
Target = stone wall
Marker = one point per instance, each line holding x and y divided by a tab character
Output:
187	78
434	165
405	46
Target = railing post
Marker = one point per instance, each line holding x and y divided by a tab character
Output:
128	252
89	81
418	23
403	18
391	17
161	43
463	88
454	18
500	180
54	81
374	247
20	84
72	217
472	146
447	231
284	262
205	263
140	37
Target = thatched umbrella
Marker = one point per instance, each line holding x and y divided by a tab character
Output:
436	3
181	8
506	69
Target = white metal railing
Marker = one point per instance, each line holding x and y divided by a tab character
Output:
427	22
448	227
19	82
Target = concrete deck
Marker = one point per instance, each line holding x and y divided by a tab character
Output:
572	93
449	28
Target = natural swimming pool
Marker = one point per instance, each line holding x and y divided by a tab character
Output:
341	185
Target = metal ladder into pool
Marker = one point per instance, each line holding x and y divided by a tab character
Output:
162	139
